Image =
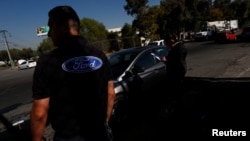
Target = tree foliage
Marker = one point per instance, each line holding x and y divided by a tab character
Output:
16	54
147	24
182	15
45	46
95	33
135	7
128	36
114	41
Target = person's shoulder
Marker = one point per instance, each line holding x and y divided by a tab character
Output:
48	55
91	49
94	50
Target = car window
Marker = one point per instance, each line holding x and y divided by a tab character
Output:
161	52
146	60
119	62
23	63
116	62
152	43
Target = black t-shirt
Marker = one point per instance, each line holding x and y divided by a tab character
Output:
75	77
176	61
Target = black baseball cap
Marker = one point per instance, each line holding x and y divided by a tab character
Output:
63	13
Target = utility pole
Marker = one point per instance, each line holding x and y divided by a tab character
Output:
7	47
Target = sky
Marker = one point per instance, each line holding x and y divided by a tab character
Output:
20	18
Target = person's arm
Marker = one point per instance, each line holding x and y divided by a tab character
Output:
164	59
38	118
111	99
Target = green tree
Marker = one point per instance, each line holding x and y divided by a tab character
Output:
95	33
197	12
174	12
4	55
45	46
216	14
114	41
243	12
26	53
146	18
16	54
135	7
147	23
128	36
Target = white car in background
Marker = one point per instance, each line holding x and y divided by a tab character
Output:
2	63
31	63
27	64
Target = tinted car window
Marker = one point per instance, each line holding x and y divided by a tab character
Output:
120	62
145	61
161	52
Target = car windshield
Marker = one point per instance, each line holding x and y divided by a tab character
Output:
31	61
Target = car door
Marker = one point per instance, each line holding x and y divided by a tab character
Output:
147	72
154	70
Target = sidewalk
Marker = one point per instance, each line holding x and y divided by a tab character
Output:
8	67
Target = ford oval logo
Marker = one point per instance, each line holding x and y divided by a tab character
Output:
82	64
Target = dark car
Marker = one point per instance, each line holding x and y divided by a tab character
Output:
138	73
245	35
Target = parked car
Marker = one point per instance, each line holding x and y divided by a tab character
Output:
225	36
157	42
245	35
138	73
2	64
31	63
204	34
27	64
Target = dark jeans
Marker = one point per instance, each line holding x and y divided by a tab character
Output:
175	92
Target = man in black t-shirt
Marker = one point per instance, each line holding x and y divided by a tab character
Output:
176	69
72	85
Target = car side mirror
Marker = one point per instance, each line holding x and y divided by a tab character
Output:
127	75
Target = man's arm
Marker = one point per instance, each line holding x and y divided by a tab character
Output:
38	118
111	99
